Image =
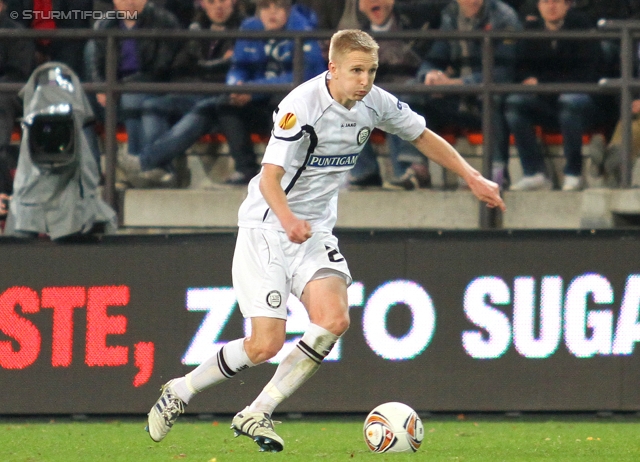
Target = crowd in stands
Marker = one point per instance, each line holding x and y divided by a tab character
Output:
161	127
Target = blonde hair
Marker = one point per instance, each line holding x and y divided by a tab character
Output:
348	40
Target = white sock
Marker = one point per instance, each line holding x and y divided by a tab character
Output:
299	365
229	360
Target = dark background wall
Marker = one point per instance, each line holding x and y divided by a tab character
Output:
453	321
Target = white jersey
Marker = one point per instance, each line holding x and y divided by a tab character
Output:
317	141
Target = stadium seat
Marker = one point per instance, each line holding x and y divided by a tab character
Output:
548	137
16	134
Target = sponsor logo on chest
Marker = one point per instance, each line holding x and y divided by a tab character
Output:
345	160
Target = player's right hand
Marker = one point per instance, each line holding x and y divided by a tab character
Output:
298	230
487	191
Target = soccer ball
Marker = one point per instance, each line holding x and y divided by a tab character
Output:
393	427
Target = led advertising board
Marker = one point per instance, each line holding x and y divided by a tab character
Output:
451	321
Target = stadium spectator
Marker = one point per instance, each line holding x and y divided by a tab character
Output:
285	243
423	11
16	63
593	9
459	62
40	14
183	10
262	62
608	162
334	15
345	14
237	115
544	61
328	13
397	63
597	10
515	4
143	60
193	114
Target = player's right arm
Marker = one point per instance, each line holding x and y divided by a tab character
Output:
440	151
297	230
398	119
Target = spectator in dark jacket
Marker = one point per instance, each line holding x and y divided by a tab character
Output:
553	61
144	60
594	9
183	10
193	114
459	62
333	15
262	62
238	114
16	63
398	62
197	61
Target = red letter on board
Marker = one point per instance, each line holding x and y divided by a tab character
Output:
63	300
23	331
100	324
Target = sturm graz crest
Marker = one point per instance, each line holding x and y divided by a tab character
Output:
274	299
363	135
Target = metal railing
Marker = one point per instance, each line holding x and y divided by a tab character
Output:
624	31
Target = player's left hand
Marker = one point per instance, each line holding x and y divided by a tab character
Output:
487	191
298	231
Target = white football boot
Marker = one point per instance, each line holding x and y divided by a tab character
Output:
259	427
164	413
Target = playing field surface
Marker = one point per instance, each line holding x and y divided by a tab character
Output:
447	438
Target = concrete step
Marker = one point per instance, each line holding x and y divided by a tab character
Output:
210	163
593	208
206	203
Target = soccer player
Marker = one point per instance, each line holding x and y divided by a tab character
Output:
285	243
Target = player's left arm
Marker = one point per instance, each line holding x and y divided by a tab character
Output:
437	149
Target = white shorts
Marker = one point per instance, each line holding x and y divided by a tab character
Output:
267	267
